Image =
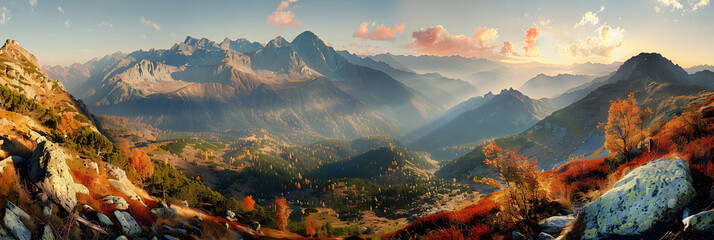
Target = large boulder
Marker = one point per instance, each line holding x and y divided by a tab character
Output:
645	198
555	224
128	224
165	210
17	228
703	221
49	171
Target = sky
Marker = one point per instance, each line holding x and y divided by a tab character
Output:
559	32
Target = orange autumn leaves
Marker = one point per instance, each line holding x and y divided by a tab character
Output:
141	163
623	130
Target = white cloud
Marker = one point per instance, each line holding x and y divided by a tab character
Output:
674	3
67	23
4	15
144	21
701	3
60	9
33	3
105	23
608	40
590	17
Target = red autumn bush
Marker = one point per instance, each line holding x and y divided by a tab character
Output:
472	215
446	234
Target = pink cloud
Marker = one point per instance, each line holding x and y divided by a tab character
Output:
283	15
438	41
381	33
507	50
484	36
530	38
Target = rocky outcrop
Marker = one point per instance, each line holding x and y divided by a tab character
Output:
49	171
79	188
17	228
128	224
703	221
104	219
648	196
555	224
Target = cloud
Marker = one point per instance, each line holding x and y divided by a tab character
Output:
144	21
283	15
380	33
86	50
33	3
4	15
608	40
484	36
438	41
507	50
590	17
60	9
105	23
67	23
530	48
701	3
674	3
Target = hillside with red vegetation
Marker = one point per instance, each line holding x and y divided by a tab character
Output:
689	135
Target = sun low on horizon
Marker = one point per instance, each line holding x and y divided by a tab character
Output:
552	32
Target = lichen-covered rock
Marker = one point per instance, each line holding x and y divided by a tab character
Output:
650	195
555	224
703	221
4	234
120	202
119	185
49	171
17	228
116	172
128	224
47	233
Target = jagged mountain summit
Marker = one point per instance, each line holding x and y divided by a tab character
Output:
300	86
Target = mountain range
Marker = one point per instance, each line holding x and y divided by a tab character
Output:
572	131
299	86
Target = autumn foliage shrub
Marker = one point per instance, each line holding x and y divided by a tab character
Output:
141	164
248	203
281	213
448	224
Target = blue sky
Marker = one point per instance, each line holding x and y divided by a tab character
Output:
64	32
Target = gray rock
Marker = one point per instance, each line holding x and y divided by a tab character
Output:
47	210
128	224
17	211
48	169
518	236
703	221
104	219
169	237
4	234
164	211
555	224
92	165
122	237
176	230
79	188
544	236
116	172
118	201
650	195
17	228
119	185
47	233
